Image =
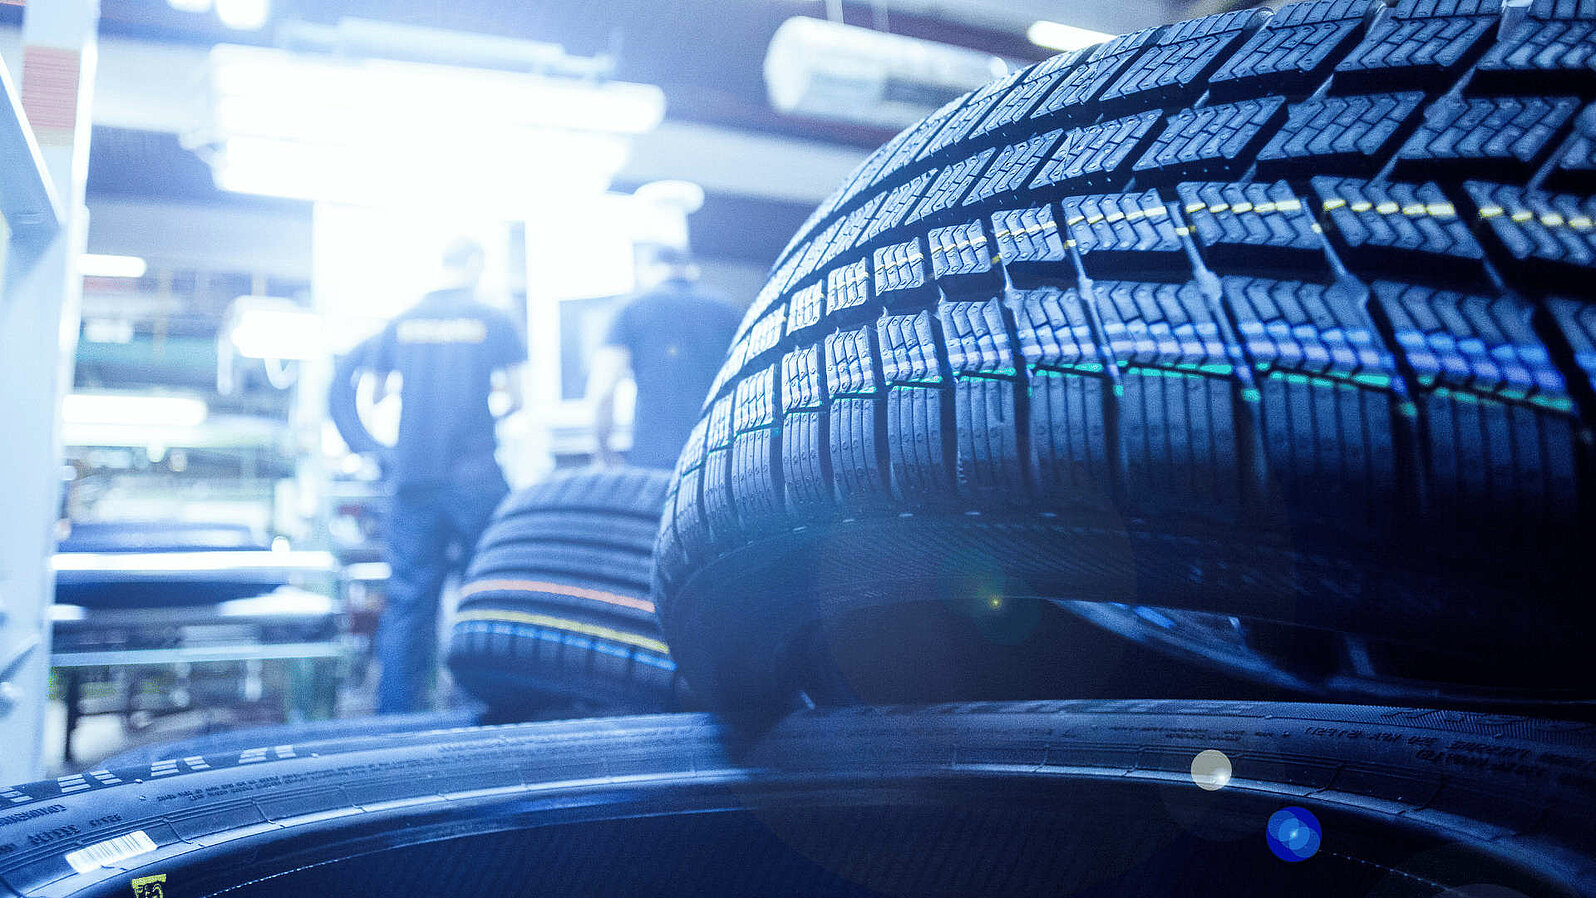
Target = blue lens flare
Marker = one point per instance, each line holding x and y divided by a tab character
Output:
1293	834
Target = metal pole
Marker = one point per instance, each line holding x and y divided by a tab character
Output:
38	341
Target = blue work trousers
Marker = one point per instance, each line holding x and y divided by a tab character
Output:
431	528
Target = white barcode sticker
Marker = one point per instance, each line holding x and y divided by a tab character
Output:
111	851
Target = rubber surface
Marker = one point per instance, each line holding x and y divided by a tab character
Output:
1048	798
556	606
1280	315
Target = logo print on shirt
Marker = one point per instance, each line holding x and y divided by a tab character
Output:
442	330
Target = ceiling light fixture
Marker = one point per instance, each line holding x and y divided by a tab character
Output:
1061	37
244	15
94	265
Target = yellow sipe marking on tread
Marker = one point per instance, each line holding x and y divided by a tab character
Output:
1094	219
1523	216
1332	205
1386	208
1289	206
1218	208
1580	222
559	589
569	626
1264	208
1441	210
1069	244
1316	228
1491	211
1075	221
1241	208
1183	231
1155	211
1113	218
1415	209
1363	206
1196	207
1552	220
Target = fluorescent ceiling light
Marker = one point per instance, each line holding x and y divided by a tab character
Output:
268	328
244	15
208	561
133	409
387	133
1061	37
190	5
92	265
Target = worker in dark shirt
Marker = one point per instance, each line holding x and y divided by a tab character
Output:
450	351
671	339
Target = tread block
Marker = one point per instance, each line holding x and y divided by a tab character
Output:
856	452
1544	238
803	432
1252	226
810	261
806	483
1037	81
754	467
918	136
719	511
1213	141
853	227
962	258
1577	322
692	531
987	463
851	365
1394	226
1345	135
1499	435
802	385
1575	169
1327	395
917	463
806	307
977	339
855	388
1178	389
1094	157
1124	232
766	334
753	402
755	484
896	205
1421	43
1068	389
909	350
848	287
971	113
1549	50
1510	135
1102	65
1294	51
1029	244
729	369
1175	69
951	185
1013	167
901	273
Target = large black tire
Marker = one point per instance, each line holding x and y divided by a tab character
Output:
555	607
1066	798
1283	316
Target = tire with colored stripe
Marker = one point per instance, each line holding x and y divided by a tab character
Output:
1278	316
555	608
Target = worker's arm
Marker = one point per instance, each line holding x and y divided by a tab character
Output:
511	381
611	365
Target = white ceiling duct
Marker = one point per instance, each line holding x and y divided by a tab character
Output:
827	70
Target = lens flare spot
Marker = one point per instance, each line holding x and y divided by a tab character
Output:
1211	770
1293	834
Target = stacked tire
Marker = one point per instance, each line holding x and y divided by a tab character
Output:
555	613
1280	318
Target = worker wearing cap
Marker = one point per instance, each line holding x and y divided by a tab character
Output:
450	351
671	339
